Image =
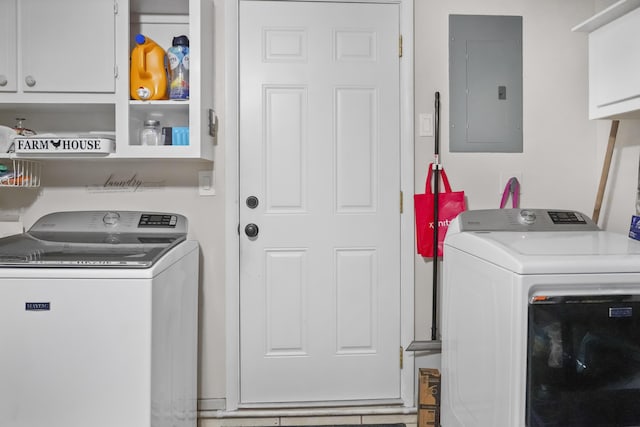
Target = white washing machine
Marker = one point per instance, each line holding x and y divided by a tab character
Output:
98	322
540	322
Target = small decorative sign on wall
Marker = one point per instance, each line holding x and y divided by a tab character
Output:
125	184
57	145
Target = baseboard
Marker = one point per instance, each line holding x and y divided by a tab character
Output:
210	405
308	412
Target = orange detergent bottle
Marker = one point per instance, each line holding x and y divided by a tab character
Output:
148	78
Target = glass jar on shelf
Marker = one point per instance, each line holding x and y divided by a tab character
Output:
150	133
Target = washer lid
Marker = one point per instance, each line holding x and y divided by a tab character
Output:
542	246
94	239
561	252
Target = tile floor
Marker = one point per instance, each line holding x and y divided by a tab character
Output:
410	420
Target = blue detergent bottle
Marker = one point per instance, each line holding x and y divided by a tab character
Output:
178	57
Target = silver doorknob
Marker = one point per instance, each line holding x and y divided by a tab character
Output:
3	80
251	230
30	81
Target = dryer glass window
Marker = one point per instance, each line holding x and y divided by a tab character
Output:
583	361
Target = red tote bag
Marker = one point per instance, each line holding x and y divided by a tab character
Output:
450	204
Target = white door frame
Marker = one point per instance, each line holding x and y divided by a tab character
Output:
232	211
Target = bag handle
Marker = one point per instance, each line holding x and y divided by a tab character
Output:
445	180
512	188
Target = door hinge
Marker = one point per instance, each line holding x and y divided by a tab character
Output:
115	7
401	202
400	47
115	71
212	123
401	357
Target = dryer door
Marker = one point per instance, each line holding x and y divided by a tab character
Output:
583	361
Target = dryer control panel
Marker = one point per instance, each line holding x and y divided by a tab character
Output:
524	220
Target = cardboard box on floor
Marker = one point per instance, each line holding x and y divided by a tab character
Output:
429	398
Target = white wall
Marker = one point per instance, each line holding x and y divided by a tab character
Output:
620	196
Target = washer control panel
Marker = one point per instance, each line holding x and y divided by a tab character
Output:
112	222
567	217
158	220
524	220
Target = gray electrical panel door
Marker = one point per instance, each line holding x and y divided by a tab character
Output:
485	79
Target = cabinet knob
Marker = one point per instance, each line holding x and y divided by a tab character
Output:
30	81
3	80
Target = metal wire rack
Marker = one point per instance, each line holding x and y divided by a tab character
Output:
20	173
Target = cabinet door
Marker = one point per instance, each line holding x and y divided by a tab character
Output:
67	46
8	32
614	61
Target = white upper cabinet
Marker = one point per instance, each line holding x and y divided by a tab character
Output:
162	20
65	64
67	46
614	61
8	46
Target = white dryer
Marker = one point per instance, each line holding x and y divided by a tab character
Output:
98	322
540	322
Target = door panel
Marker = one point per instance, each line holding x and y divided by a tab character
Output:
285	114
319	148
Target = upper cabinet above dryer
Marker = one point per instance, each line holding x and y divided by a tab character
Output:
614	61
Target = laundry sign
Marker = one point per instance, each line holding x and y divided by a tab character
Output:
63	145
125	184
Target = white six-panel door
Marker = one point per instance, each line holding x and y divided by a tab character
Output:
320	180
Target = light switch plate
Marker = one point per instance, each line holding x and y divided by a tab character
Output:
206	183
425	125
